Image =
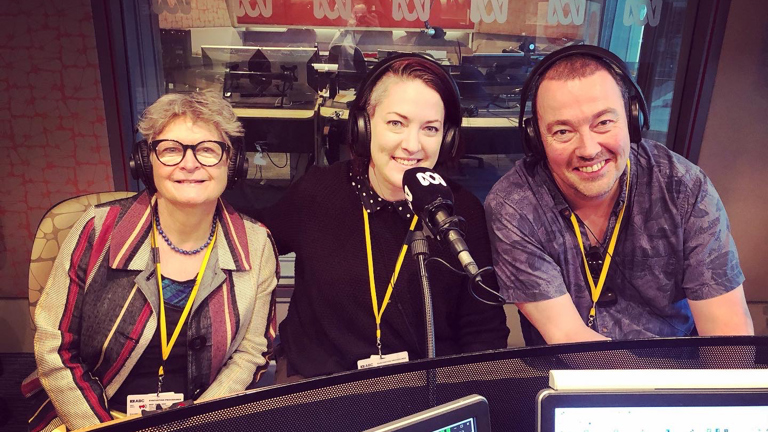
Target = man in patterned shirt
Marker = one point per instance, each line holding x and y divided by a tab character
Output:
600	234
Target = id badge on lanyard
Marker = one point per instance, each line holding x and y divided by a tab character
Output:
379	359
165	344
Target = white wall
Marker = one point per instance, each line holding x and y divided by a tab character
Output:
734	150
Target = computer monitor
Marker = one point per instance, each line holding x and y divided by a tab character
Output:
696	410
494	79
264	75
517	63
701	400
468	414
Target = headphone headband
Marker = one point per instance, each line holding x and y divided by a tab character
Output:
360	122
532	143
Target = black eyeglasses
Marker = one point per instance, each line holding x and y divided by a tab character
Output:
595	266
171	152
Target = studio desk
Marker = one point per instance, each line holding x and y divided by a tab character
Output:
509	379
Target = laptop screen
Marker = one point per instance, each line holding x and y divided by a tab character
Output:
467	425
665	419
468	414
659	410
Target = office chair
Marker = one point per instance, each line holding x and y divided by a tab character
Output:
51	233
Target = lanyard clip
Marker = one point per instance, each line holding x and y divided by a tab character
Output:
592	313
160	375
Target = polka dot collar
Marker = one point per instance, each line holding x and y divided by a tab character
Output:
372	202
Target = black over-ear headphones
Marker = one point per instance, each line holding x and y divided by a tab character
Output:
141	167
360	121
529	127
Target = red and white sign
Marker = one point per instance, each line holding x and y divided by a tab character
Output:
254	8
448	14
496	12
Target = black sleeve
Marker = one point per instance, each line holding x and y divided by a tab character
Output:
480	326
285	219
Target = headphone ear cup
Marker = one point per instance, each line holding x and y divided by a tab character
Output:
232	168
450	144
135	162
363	135
531	143
141	167
238	166
146	165
242	167
633	120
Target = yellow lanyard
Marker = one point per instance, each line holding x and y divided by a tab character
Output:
597	289
376	312
164	344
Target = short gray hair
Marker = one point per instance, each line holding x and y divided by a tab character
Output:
207	107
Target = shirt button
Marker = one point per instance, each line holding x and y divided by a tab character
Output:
196	393
196	344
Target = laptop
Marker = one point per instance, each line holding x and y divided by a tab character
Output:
697	407
468	414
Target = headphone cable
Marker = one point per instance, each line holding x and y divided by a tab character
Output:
273	162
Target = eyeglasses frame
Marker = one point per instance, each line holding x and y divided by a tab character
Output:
226	148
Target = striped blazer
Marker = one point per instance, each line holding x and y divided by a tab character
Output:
99	311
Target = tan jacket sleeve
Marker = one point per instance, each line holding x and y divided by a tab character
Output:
78	397
256	287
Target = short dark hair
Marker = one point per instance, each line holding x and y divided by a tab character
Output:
581	66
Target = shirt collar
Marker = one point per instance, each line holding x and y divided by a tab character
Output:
129	243
371	200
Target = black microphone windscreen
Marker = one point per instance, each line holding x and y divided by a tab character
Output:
423	188
438	33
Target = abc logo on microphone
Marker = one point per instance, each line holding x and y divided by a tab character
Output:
427	178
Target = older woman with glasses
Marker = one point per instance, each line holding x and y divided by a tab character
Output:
170	291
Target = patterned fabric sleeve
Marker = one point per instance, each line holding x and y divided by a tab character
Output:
711	261
78	397
252	351
526	273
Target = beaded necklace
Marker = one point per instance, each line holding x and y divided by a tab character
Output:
178	249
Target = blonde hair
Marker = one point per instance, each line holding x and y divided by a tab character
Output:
207	107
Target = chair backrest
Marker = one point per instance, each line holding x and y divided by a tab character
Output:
51	233
340	55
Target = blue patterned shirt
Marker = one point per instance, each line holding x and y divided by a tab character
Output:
674	244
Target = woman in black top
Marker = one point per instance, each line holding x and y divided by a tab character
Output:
406	115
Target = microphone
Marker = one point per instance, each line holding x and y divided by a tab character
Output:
436	32
430	197
433	32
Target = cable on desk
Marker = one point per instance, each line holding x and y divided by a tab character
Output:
273	162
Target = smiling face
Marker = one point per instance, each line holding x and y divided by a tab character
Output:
189	183
406	132
583	125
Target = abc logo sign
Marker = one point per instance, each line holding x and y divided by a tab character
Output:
427	178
